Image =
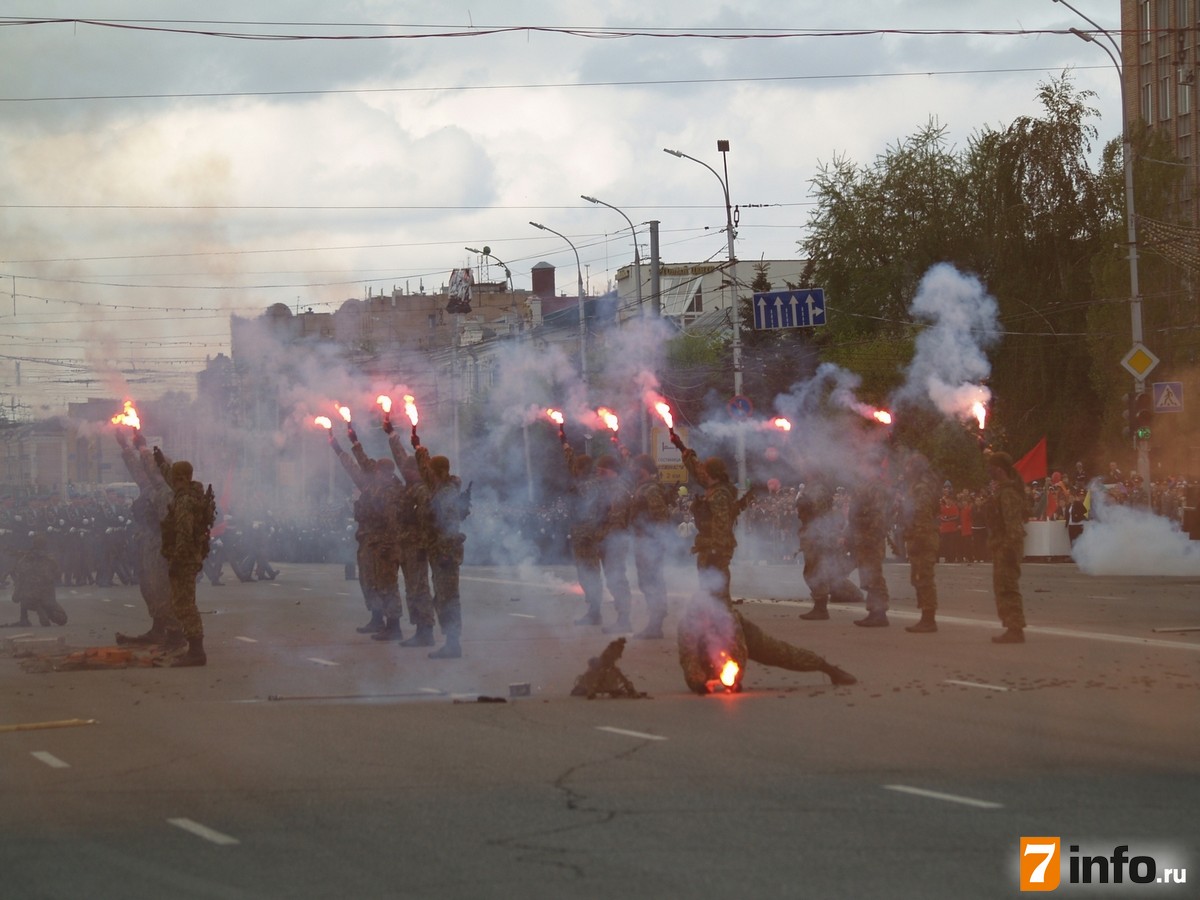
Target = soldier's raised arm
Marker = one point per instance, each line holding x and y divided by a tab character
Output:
358	473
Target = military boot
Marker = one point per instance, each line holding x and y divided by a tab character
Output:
172	638
1010	636
819	612
840	677
653	629
449	650
621	626
158	629
423	637
194	656
390	631
876	618
926	625
591	617
374	626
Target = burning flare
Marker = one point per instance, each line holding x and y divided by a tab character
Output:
323	421
128	417
729	673
609	417
410	409
665	411
782	424
980	413
384	401
344	412
556	416
882	415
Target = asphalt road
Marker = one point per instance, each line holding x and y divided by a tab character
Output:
308	761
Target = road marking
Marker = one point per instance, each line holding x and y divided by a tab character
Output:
203	831
979	590
106	599
319	661
429	690
1098	597
990	687
49	759
248	640
938	795
129	606
523	615
636	734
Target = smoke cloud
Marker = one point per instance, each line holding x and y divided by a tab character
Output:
1131	540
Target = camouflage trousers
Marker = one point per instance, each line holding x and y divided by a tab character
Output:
922	558
598	564
825	571
414	565
869	556
445	593
379	570
155	584
648	563
370	591
1006	584
182	576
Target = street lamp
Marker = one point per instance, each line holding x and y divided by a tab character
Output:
582	325
723	148
487	252
637	259
1135	294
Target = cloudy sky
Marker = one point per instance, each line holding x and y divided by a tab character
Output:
168	164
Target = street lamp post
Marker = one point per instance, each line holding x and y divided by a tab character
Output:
637	259
487	252
582	324
1135	294
637	270
723	149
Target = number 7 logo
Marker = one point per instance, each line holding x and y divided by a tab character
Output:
1040	867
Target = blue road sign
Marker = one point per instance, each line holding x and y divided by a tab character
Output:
740	407
789	309
1168	396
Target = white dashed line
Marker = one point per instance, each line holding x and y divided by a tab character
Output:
322	662
248	640
522	615
49	759
938	795
203	831
636	734
976	684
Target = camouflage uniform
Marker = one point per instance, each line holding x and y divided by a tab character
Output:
868	529
445	549
368	522
148	511
414	524
35	575
591	518
715	513
184	545
1006	540
822	535
650	521
919	515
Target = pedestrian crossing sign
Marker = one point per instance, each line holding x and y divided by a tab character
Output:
1168	396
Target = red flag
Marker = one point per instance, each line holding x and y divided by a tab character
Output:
1032	466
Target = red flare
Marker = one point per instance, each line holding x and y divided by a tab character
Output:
128	416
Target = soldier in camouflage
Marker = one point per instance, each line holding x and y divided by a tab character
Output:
448	506
148	510
591	517
919	507
650	521
1005	516
822	535
185	544
868	525
711	631
416	535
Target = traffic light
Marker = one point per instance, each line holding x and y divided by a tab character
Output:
1143	415
1128	415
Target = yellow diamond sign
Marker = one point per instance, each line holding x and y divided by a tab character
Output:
1139	361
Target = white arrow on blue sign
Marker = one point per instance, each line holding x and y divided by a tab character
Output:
789	309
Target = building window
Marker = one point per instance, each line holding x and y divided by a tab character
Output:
1164	99
1185	99
697	304
1181	13
1148	102
1144	19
